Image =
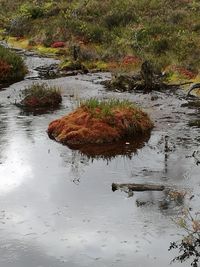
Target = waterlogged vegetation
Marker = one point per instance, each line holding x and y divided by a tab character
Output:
12	67
98	122
40	96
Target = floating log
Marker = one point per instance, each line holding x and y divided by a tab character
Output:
138	187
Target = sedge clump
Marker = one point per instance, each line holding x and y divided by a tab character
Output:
40	96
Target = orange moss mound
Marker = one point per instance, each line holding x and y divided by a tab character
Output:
84	126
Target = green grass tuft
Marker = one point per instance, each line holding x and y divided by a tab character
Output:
105	109
40	90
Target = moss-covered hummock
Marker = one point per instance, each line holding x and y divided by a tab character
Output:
40	96
98	122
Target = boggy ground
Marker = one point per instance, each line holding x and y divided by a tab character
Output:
124	33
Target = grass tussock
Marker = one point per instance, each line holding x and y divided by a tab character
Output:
41	95
12	67
98	122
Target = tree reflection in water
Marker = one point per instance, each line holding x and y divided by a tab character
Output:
3	131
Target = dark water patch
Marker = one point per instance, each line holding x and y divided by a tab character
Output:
194	123
36	111
192	104
141	203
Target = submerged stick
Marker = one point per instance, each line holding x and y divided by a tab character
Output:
138	187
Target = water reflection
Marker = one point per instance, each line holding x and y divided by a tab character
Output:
126	148
25	111
167	202
14	170
77	163
3	130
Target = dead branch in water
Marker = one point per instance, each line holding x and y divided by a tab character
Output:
179	84
138	187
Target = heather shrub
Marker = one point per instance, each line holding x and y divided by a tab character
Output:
12	67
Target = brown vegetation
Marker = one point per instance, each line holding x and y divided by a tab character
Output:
103	123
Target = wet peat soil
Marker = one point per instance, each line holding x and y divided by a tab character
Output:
57	207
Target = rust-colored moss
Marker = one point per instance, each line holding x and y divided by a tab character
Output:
84	126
